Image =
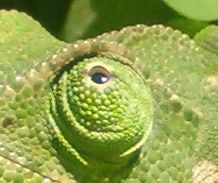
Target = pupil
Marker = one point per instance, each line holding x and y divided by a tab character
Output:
99	78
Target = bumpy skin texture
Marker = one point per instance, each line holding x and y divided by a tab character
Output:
136	105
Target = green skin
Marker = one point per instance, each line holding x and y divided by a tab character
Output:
136	105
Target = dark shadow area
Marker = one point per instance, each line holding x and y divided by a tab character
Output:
114	14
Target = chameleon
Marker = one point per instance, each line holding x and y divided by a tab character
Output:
135	105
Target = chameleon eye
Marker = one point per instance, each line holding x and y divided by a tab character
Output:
94	104
99	75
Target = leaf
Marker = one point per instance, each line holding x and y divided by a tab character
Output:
208	38
196	9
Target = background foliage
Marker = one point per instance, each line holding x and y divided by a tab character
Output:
70	20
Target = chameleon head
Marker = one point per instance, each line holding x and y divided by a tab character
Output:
101	108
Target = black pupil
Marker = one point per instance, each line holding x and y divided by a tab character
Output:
99	78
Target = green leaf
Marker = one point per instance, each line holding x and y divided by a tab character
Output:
208	38
205	10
